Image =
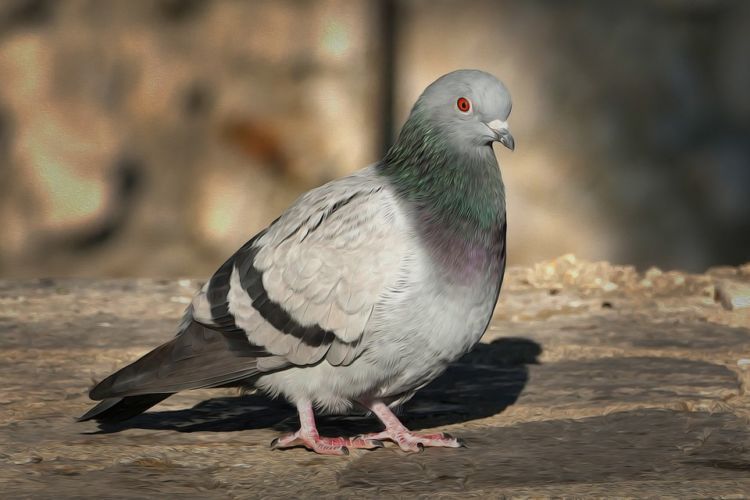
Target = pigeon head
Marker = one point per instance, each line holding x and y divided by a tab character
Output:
443	160
468	108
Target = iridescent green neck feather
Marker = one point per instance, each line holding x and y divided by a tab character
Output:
457	187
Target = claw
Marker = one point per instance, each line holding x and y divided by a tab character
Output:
274	443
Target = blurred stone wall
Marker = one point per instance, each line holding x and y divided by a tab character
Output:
631	119
154	137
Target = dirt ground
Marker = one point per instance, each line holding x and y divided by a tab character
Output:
593	380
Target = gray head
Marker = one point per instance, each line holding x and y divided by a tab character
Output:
468	107
443	160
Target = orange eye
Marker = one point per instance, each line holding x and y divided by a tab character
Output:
464	105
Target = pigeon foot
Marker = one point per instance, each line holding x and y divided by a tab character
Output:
413	442
307	436
324	445
407	440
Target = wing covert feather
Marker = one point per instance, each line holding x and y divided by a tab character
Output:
304	288
329	259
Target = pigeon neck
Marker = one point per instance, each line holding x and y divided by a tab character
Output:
459	190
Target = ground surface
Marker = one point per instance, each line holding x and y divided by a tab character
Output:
592	380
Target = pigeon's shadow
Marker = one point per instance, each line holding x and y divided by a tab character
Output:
482	383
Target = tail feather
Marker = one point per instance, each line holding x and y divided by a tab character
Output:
118	409
197	357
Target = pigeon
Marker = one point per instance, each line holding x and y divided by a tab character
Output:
360	293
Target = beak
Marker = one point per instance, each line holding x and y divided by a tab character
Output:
502	134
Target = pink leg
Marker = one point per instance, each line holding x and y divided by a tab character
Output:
403	437
308	437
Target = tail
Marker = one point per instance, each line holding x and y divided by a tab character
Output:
198	357
119	409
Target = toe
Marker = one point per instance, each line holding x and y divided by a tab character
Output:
357	442
418	442
409	445
287	441
365	444
325	449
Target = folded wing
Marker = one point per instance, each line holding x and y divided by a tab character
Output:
305	288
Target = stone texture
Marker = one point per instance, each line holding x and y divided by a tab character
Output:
641	445
172	129
578	389
733	295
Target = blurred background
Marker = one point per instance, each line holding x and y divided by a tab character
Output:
152	138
